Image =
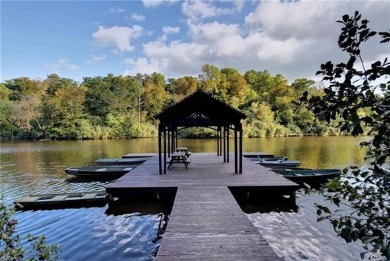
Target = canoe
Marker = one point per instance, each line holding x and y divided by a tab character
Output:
99	171
278	163
122	161
275	158
256	155
139	155
312	177
51	201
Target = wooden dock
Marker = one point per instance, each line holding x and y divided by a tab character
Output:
206	222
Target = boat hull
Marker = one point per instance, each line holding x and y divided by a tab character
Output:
98	171
279	163
121	161
311	177
58	201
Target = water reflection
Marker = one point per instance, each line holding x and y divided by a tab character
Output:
296	235
38	168
80	232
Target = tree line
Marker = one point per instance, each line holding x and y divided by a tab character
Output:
124	106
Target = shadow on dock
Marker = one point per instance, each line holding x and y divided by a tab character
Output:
252	201
143	202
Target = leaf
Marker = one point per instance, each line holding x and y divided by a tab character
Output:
367	240
336	201
4	236
355	235
345	18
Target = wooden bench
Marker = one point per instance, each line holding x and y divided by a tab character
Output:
179	157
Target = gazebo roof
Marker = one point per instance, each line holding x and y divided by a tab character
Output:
200	109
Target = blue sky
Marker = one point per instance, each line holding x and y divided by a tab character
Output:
76	39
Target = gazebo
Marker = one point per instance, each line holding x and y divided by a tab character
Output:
200	109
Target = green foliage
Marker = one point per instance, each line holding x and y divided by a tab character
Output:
23	86
154	96
358	98
124	106
7	126
196	132
10	246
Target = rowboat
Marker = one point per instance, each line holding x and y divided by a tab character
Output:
273	158
139	155
256	155
99	171
312	177
278	162
51	201
122	161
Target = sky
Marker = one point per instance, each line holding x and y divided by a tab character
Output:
77	39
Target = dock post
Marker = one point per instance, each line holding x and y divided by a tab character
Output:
227	143
240	141
159	150
235	151
169	143
224	144
165	151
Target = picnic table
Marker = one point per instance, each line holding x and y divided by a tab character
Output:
179	157
183	149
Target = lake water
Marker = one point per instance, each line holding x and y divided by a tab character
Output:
94	234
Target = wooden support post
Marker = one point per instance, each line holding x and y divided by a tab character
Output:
173	140
240	167
169	143
159	150
227	143
217	141
176	141
165	151
224	144
235	151
220	140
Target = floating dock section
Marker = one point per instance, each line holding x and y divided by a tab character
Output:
206	222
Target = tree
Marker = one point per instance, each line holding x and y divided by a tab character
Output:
26	110
184	86
233	87
362	194
98	97
7	127
53	82
154	95
210	78
24	86
64	115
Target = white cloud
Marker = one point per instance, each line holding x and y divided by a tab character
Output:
198	10
96	59
239	4
170	30
62	65
118	36
142	66
137	17
293	20
154	3
116	10
292	39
